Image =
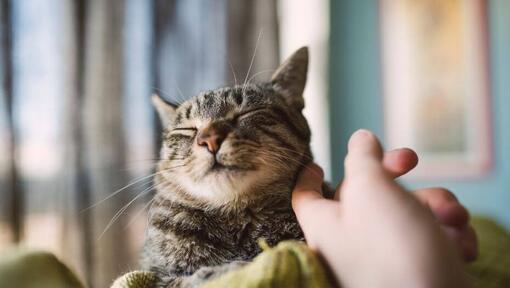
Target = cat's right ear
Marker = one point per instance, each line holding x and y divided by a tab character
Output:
166	111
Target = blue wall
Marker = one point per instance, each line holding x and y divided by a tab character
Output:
355	98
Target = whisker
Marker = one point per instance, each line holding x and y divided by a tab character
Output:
258	73
252	59
247	143
154	159
300	154
183	98
169	95
125	207
149	216
134	168
146	164
138	180
233	72
282	157
162	92
139	213
288	158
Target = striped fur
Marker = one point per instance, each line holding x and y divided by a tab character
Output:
206	218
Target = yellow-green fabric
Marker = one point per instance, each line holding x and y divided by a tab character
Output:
289	264
135	279
492	268
23	268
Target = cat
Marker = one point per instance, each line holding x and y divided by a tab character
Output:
229	161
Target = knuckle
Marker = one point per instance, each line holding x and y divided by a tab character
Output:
444	193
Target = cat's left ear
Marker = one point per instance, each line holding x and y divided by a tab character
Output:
166	111
290	78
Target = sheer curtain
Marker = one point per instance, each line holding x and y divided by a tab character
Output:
76	125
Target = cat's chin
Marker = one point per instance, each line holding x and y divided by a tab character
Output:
221	186
222	168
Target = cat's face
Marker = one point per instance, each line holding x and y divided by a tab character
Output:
224	144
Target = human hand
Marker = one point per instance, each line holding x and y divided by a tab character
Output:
378	235
448	211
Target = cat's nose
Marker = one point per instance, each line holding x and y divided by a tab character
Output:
212	137
212	141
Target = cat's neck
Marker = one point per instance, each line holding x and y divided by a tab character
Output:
276	193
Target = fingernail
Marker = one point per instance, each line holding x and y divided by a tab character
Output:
360	138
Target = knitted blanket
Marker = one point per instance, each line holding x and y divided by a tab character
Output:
289	264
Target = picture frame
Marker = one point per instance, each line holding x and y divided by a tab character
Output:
435	82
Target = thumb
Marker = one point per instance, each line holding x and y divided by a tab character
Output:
311	209
308	186
364	156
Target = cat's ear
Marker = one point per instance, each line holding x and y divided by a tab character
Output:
166	111
290	78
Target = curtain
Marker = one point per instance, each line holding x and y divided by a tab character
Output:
77	132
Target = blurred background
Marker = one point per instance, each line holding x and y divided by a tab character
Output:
78	135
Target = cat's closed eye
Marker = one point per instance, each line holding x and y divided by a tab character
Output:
186	131
262	116
249	113
184	128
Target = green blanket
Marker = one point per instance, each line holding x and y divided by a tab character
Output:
289	264
285	265
492	268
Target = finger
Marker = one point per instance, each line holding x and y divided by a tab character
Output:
397	162
310	178
465	241
444	205
312	210
470	244
308	186
364	156
400	161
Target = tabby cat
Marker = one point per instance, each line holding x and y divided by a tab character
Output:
229	162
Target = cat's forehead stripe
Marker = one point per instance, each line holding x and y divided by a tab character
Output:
224	102
213	104
237	97
188	111
198	104
178	118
